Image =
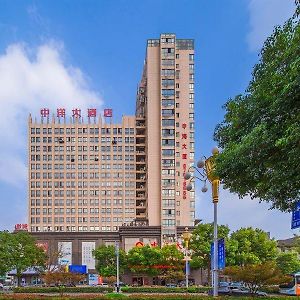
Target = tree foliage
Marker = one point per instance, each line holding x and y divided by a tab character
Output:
288	262
106	260
250	246
19	251
260	133
200	244
257	275
142	259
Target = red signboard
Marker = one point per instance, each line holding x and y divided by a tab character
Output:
21	227
61	112
45	112
76	112
92	112
108	112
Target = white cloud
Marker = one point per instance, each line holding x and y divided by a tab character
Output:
30	80
264	15
237	213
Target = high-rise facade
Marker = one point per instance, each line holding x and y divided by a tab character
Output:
96	176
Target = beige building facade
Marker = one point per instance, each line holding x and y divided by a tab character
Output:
95	176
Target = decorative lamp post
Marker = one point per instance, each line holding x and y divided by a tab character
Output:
117	249
186	236
205	171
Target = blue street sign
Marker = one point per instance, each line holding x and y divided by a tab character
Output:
80	269
187	269
221	254
296	217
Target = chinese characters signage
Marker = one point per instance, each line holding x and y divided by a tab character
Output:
19	227
184	157
76	112
108	112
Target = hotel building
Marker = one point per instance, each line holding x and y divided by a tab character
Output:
93	176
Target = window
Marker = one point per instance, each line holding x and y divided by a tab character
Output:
168	152
169	142
191	67
168	62
168	122
168	92
167	112
167	72
191	57
167	102
167	82
168	132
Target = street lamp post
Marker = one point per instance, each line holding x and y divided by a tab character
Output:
205	171
186	236
117	247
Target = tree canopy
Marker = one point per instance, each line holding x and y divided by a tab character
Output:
257	275
19	251
250	246
202	238
107	262
288	262
260	133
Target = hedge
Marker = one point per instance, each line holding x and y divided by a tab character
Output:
129	297
128	289
47	290
95	289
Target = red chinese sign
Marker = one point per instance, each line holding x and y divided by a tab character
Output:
108	112
184	156
139	244
76	112
61	112
21	227
45	112
92	112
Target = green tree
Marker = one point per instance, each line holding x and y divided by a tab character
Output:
172	263
250	246
200	244
257	275
107	261
19	251
260	132
142	260
288	262
5	246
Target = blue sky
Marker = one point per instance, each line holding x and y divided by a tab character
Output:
90	54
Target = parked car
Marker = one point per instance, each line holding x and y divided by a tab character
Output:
242	291
104	284
171	285
121	283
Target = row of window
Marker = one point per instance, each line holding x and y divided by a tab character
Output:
80	202
72	193
49	220
61	140
73	211
72	184
91	175
85	130
75	228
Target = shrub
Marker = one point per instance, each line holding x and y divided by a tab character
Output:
48	290
164	290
